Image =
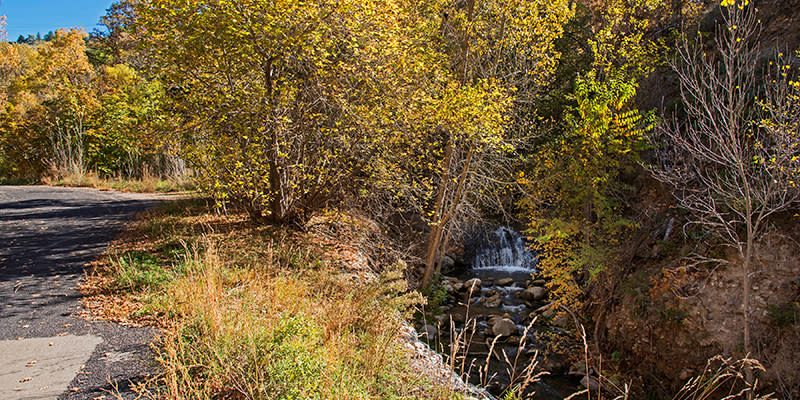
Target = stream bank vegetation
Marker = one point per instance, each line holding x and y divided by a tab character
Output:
346	149
259	311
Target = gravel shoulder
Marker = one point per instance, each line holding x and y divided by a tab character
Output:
47	236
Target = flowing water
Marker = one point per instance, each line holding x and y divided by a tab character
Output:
506	267
507	253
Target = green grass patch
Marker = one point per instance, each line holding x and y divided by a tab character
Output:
783	315
137	270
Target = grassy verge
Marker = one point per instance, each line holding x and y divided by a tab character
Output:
144	185
256	312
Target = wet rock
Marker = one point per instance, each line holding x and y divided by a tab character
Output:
534	293
514	340
428	332
468	285
539	282
504	327
494	301
590	383
503	282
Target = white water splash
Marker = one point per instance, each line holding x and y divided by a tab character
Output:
509	253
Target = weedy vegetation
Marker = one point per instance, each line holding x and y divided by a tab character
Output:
257	311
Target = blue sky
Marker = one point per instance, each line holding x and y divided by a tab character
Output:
31	16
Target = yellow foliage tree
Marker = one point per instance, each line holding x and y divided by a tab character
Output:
575	198
273	93
498	50
48	96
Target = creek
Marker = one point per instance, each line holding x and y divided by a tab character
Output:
494	291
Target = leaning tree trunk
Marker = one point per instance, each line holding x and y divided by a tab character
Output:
443	216
435	237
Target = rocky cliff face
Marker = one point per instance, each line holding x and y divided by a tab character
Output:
774	298
780	20
671	319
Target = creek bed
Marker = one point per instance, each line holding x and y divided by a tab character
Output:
504	303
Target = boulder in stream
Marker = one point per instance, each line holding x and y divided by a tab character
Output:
534	293
504	327
493	301
474	281
503	282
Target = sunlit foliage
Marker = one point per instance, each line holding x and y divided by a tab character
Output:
576	196
61	115
268	92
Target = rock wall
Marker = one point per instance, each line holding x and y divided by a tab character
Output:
670	321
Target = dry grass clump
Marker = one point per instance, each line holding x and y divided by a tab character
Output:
146	184
723	378
260	312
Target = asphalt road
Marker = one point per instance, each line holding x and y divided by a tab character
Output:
47	235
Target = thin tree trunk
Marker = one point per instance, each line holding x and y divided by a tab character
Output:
436	246
430	255
442	252
275	183
436	231
440	220
746	310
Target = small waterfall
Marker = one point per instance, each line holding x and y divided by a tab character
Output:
507	252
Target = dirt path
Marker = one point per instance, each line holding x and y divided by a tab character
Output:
47	235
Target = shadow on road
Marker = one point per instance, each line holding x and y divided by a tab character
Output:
54	237
47	236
